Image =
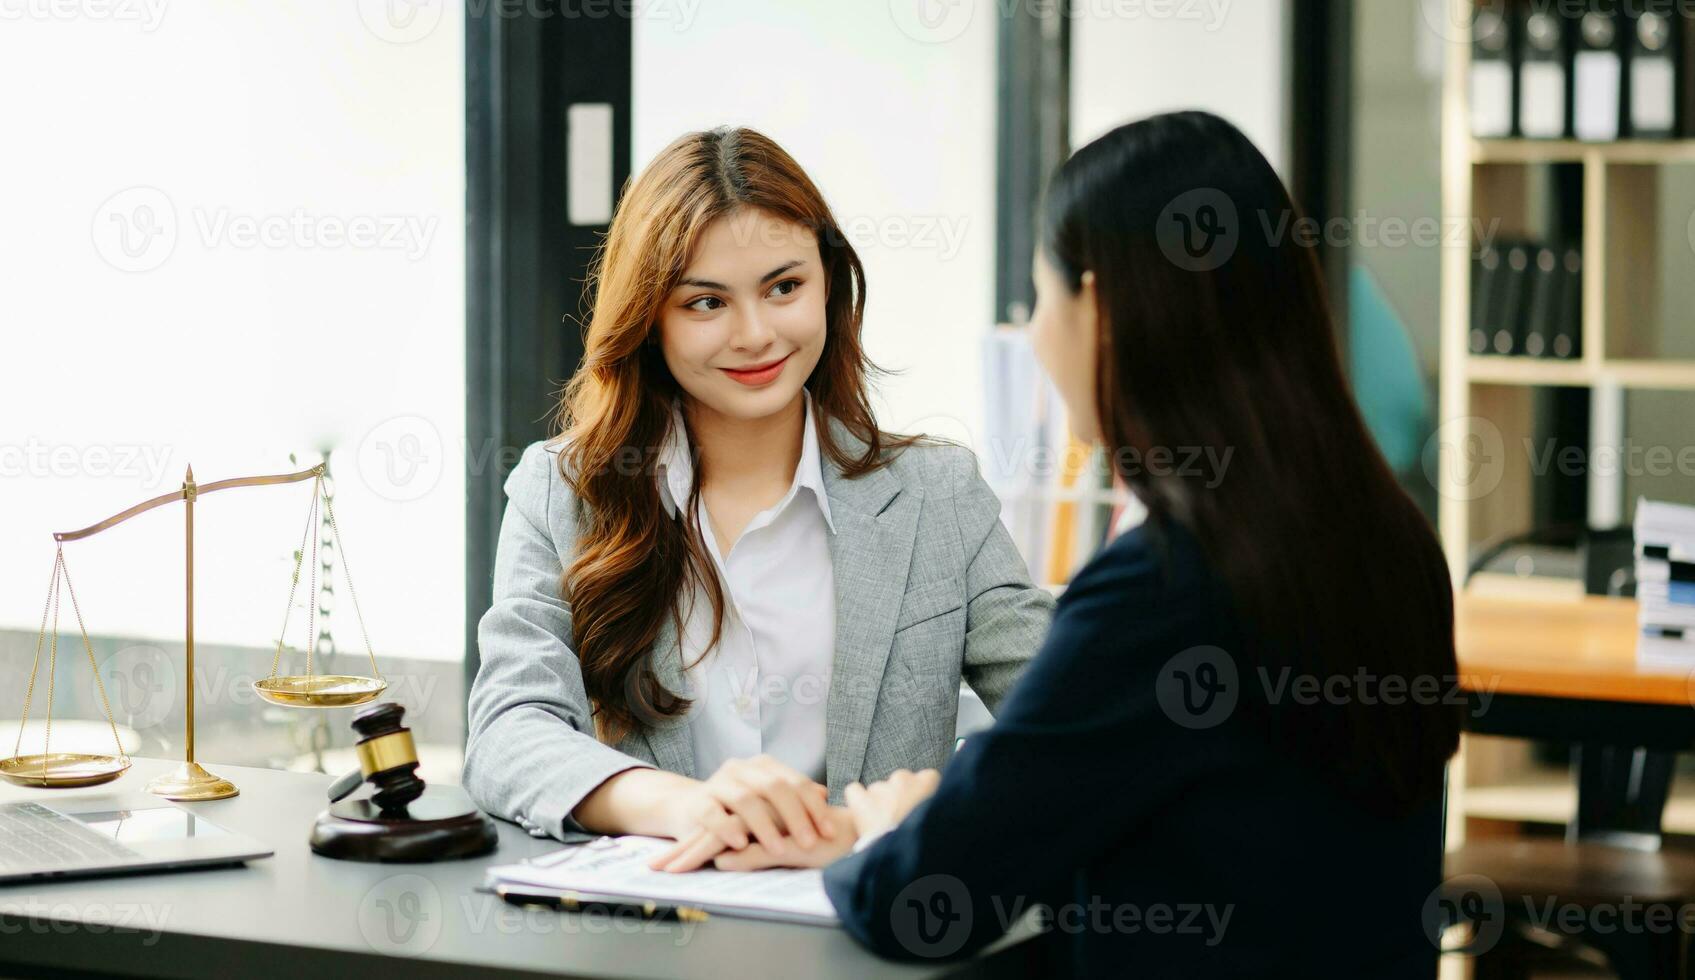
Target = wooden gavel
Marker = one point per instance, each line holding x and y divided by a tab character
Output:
387	759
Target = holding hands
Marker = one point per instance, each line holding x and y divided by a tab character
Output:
758	813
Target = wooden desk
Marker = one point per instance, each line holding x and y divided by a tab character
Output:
1584	649
1566	671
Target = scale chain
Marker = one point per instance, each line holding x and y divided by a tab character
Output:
99	682
40	639
320	495
347	573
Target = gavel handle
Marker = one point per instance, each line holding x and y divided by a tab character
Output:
344	787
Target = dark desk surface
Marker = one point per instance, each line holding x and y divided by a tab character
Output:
300	914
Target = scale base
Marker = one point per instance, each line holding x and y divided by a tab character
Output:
192	784
441	825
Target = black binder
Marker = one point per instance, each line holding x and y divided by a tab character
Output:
1507	319
1543	102
1492	79
1567	341
1652	82
1597	71
1542	313
1485	279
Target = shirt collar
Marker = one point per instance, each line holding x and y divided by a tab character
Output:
676	467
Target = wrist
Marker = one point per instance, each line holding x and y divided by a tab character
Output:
637	800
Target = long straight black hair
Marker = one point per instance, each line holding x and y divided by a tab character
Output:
1215	334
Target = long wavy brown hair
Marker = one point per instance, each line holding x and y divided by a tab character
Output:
634	560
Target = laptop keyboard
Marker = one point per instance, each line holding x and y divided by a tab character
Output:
32	836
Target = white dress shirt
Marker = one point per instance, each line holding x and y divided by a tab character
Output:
765	685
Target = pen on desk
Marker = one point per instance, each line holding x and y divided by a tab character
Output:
572	901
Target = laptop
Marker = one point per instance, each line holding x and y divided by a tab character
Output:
112	834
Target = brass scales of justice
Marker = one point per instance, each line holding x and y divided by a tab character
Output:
189	782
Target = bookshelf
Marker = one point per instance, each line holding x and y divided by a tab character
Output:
1626	347
1487	182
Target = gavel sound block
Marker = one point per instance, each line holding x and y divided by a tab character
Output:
402	820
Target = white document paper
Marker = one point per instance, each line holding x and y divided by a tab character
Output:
616	867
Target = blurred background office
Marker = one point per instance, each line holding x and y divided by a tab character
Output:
250	236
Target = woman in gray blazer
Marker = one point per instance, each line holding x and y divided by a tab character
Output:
722	594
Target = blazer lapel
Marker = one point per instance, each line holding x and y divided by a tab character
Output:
668	738
876	518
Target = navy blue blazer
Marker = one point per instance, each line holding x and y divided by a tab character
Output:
1166	835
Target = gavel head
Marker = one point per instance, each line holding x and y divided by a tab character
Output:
387	757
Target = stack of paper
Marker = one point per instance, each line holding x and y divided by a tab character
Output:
1665	583
615	869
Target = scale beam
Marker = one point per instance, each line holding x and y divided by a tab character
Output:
179	494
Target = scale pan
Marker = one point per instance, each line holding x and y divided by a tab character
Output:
319	690
62	770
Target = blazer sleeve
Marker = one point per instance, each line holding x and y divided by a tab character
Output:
1082	737
1006	615
531	754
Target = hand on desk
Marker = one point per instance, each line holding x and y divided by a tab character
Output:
697	852
870	811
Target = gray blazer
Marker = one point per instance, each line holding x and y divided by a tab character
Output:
928	586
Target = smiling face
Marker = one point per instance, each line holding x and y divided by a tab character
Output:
745	326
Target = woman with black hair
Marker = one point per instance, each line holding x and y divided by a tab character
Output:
1227	759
